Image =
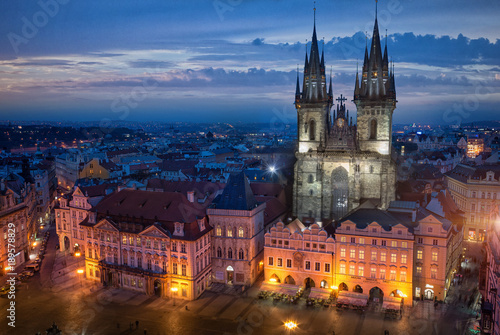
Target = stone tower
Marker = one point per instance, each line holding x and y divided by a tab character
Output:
341	165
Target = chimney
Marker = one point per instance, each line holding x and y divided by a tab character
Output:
190	196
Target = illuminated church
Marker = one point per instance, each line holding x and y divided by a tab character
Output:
341	165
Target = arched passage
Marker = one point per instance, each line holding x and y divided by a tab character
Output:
66	243
157	287
376	295
343	287
340	192
308	282
358	289
289	280
274	278
324	284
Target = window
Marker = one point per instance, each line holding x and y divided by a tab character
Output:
374	255
342	252
420	254
403	259
353	240
230	254
155	245
382	274
342	268
361	240
138	241
402	275
352	269
419	270
308	265
352	253
374	242
343	239
348	228
393	258
403	244
149	264
383	257
361	271
394	244
219	253
327	267
183	248
241	254
433	273
131	240
393	275
164	267
384	243
473	207
434	242
163	246
270	261
288	263
229	232
373	134
310	179
429	229
434	256
218	231
312	131
148	243
420	240
317	266
361	254
241	232
174	268
184	269
280	262
373	273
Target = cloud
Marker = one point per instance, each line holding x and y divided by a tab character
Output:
145	63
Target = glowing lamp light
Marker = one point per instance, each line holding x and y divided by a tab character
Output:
272	280
34	244
272	169
77	254
335	287
79	271
290	325
8	268
174	289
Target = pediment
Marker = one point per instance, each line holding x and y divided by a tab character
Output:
106	224
153	231
78	192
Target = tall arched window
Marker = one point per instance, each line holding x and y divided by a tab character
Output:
241	233
312	131
229	232
218	231
241	255
373	129
310	179
230	253
219	252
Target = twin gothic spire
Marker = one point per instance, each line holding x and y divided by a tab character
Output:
377	82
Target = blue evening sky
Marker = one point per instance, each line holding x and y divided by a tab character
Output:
229	60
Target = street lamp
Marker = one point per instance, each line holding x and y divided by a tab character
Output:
174	292
290	325
80	272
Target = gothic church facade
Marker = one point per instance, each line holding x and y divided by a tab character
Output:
341	165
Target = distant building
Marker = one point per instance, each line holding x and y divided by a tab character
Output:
476	191
101	169
475	146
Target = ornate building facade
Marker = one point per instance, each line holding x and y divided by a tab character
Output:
340	165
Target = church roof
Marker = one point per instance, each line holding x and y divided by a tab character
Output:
364	216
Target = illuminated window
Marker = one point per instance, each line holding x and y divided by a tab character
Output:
361	271
342	252
382	273
402	275
352	253
434	256
374	255
393	258
352	269
403	259
383	257
361	254
241	232
433	273
419	254
342	268
393	275
218	231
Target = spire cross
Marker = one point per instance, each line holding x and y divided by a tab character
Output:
341	99
376	8
314	12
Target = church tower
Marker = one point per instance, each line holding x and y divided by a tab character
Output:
375	99
341	165
313	102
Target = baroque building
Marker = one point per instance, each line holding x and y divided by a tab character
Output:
339	164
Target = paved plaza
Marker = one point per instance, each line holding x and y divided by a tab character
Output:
57	294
